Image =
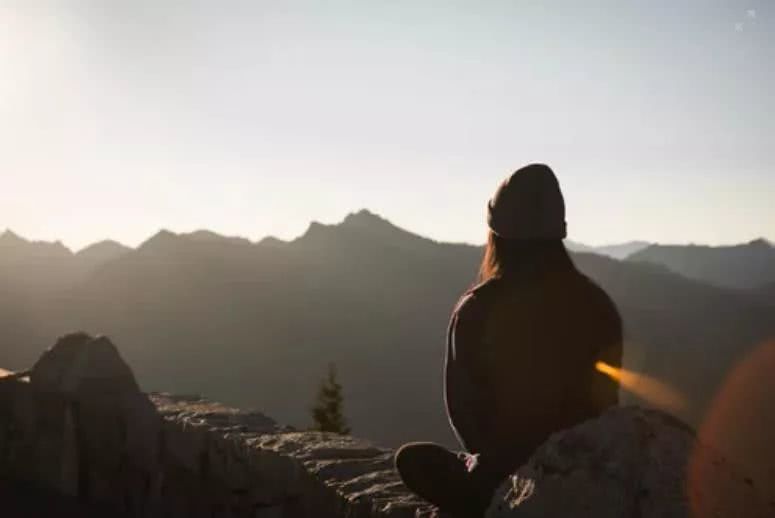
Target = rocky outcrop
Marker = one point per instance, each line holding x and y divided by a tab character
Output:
259	465
629	462
77	426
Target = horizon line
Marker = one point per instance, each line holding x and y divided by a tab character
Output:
312	223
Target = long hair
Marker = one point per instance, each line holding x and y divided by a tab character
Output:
512	258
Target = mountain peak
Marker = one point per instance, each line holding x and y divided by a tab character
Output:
272	241
9	237
160	240
104	244
11	240
760	243
364	218
106	247
204	235
163	235
213	237
363	224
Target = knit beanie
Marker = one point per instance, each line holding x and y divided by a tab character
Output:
528	205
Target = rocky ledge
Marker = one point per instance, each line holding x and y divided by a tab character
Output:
262	464
78	425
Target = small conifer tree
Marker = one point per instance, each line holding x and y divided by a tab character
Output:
327	412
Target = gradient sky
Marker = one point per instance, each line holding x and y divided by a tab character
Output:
118	118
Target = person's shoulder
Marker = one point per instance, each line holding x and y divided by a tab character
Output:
478	297
471	314
595	296
583	283
486	289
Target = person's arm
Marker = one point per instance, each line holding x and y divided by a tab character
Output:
605	390
465	375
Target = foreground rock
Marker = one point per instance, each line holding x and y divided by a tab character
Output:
260	466
77	424
628	462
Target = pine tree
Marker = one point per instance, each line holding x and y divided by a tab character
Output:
327	411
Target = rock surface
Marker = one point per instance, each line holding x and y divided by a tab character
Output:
259	463
628	462
78	426
80	366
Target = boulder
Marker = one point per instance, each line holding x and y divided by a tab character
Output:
78	365
94	428
628	462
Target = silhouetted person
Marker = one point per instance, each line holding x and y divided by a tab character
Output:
521	351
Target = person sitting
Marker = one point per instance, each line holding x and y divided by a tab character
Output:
522	346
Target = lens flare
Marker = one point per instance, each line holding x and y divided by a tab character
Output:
645	387
740	424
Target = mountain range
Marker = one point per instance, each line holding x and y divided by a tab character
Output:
256	324
748	266
615	251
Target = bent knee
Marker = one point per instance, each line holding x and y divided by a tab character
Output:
411	454
422	456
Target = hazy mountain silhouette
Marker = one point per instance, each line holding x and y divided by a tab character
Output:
34	265
206	235
94	256
745	266
257	324
13	245
616	251
16	249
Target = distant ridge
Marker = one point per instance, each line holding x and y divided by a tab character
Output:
12	242
8	237
212	237
364	217
744	266
271	241
615	251
161	240
107	249
362	220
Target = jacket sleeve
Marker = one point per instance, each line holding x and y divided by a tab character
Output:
466	376
608	349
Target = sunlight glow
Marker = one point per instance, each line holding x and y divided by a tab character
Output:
649	389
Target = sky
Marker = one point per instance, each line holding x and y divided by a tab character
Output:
254	118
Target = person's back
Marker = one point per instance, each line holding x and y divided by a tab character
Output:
528	348
522	347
